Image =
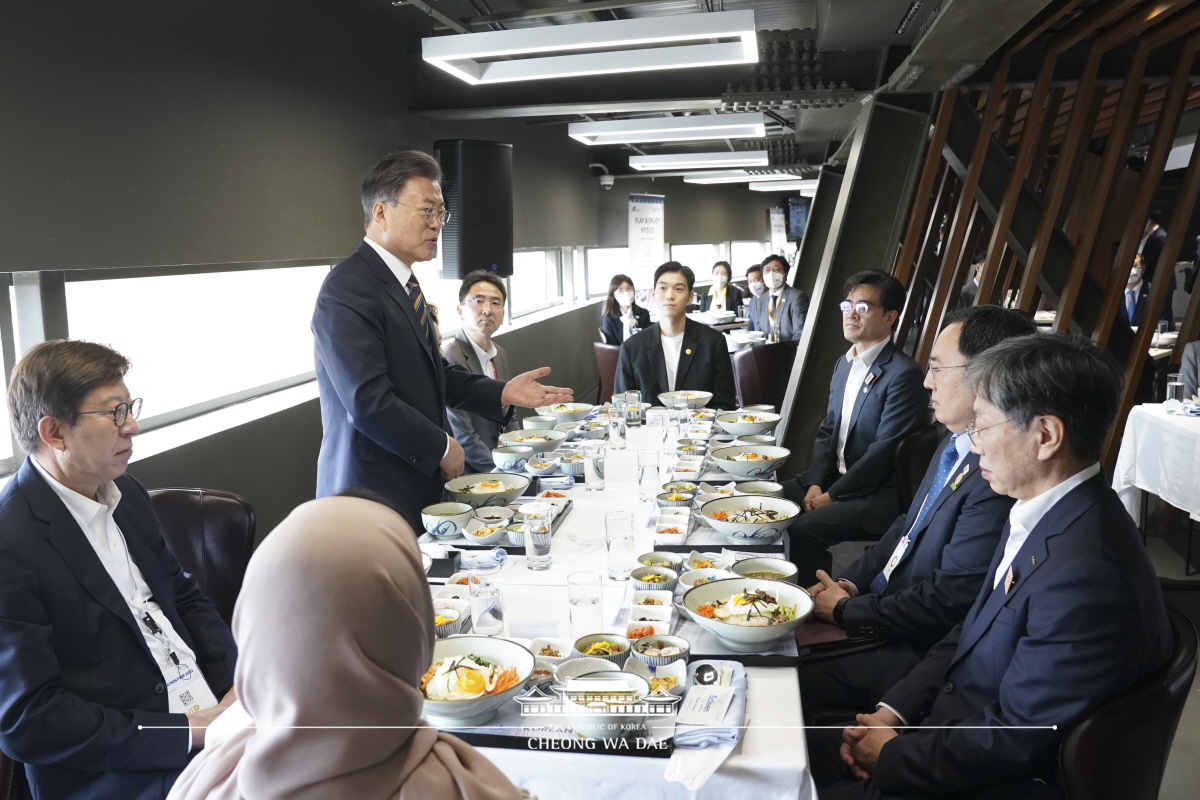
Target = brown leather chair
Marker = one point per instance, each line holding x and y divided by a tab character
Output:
912	458
212	536
761	373
1119	751
606	360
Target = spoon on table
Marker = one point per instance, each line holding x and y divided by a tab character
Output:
705	675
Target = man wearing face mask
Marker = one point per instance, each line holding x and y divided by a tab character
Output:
780	312
723	295
1133	304
758	287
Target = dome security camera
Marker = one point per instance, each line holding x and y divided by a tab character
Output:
607	181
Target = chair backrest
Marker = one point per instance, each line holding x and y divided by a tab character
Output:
912	458
1119	751
12	780
211	534
606	360
761	373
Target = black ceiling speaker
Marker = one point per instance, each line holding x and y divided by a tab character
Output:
477	186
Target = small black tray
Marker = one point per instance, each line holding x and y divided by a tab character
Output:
519	551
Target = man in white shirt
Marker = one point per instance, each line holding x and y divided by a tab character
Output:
384	384
676	353
1070	615
481	298
111	661
876	398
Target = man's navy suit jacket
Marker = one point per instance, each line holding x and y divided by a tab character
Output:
1082	622
937	580
891	404
384	389
704	365
76	677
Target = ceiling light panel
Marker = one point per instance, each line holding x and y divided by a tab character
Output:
635	46
735	176
805	187
752	125
744	158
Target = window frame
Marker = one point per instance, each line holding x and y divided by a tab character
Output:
557	300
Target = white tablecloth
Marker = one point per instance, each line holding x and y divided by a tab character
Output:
1160	454
771	761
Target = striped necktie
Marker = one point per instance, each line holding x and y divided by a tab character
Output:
946	462
422	308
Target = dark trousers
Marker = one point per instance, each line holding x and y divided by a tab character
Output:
855	681
814	532
835	781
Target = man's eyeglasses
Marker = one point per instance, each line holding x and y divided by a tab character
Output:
974	432
860	308
932	370
430	213
495	304
121	412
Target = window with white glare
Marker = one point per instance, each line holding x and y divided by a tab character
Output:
743	255
195	338
536	281
700	257
602	264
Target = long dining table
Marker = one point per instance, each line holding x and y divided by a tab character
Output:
771	759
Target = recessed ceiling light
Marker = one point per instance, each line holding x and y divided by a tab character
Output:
744	158
734	176
752	125
630	45
805	187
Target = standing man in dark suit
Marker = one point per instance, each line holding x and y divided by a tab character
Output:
481	299
876	398
1133	302
384	384
1150	248
1070	615
111	661
781	311
966	298
920	580
676	353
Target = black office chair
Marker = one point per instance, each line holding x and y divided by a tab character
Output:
1119	751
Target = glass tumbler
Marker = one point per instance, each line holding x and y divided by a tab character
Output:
487	599
618	538
593	466
585	592
634	414
649	483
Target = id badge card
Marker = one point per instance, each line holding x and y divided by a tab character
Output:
187	690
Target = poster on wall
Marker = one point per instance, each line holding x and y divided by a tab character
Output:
646	236
779	239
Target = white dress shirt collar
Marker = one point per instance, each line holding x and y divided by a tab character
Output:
485	356
83	509
401	270
869	355
1025	515
1137	287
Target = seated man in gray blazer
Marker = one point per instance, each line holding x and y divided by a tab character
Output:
1189	373
782	308
480	308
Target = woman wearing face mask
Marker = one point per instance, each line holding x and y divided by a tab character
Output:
724	295
621	316
780	311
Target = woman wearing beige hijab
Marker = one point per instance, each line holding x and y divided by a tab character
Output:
335	628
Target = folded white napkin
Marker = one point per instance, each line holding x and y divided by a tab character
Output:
729	732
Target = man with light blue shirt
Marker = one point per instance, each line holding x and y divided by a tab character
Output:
1070	615
921	578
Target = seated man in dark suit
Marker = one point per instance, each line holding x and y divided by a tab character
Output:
876	398
756	288
676	353
481	298
920	580
1070	615
111	661
781	311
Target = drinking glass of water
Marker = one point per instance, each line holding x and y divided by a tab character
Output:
487	599
648	480
585	591
634	414
1175	387
618	537
539	524
616	426
593	466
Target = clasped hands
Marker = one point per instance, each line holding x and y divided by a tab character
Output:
827	593
814	498
862	743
